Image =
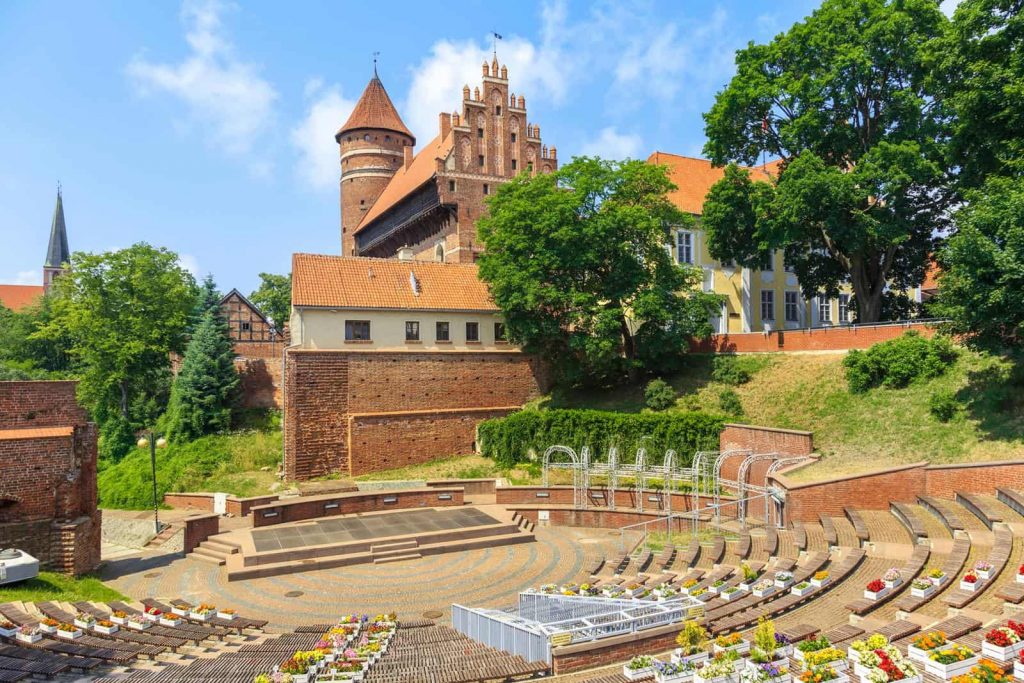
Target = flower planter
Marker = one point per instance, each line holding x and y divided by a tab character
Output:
873	595
106	630
968	586
69	635
8	632
740	648
765	592
745	586
47	629
637	674
800	592
917	654
938	580
180	611
82	624
228	616
298	678
1001	654
984	574
922	592
1020	578
205	616
152	618
948	671
678	657
1018	668
731	678
119	620
682	677
841	677
138	625
818	583
892	584
731	595
783	583
28	637
164	621
717	589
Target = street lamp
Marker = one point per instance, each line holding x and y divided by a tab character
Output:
154	443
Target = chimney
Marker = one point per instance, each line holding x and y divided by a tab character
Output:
406	254
407	159
446	124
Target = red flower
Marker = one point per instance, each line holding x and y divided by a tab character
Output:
1016	627
998	638
1020	569
876	586
971	577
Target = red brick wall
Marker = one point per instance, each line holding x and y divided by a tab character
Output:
387	440
983	477
613	650
818	339
765	440
327	391
39	404
624	498
239	507
873	491
471	487
313	507
198	528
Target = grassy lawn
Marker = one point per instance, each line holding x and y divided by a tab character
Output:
51	586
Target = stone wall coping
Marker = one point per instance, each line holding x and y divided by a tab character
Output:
37	382
200	516
303	500
850	477
963	465
208	494
454	482
759	428
433	411
411	352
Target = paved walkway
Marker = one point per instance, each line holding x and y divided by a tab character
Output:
490	577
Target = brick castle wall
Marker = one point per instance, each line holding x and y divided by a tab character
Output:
397	405
838	338
39	404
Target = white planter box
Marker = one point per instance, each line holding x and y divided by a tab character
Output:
138	625
692	589
949	671
119	620
8	632
677	657
69	635
733	678
47	629
938	580
765	592
783	583
740	648
892	584
717	589
876	596
922	592
297	678
841	677
731	595
1020	578
917	654
180	611
164	621
800	592
226	615
818	583
1001	654
106	630
1018	668
28	637
81	623
984	575
203	616
746	585
838	665
637	674
684	677
968	586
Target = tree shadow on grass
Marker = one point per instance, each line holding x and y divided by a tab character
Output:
994	399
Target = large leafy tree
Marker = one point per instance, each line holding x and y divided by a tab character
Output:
205	392
858	193
23	350
576	261
125	311
274	297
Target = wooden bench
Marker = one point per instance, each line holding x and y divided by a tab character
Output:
979	508
909	520
1011	592
717	550
1011	499
860	527
800	535
665	557
843	634
795	634
899	629
743	545
951	568
829	528
911	569
940	509
1001	550
688	557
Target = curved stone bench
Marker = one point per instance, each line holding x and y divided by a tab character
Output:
860	527
948	517
1011	499
743	545
827	526
800	535
1001	550
979	508
951	568
909	520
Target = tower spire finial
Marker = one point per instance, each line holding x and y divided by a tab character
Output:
375	56
495	37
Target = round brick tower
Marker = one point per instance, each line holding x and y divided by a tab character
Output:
373	145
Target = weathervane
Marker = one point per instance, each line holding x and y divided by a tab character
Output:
495	37
375	55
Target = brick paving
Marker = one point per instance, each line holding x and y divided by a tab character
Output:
884	527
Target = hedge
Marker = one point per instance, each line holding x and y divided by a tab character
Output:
510	440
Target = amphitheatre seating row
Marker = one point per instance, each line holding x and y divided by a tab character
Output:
743	545
184	631
689	557
107	651
771	540
949	518
1011	499
912	568
979	508
1001	549
717	550
909	520
860	527
665	558
1011	592
800	535
827	526
150	644
951	568
209	631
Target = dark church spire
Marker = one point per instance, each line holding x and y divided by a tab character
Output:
58	254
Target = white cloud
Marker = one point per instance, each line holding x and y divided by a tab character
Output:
226	97
28	277
611	144
189	263
314	135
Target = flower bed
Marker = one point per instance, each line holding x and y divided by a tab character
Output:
766	672
48	625
892	667
673	672
970	581
783	580
731	593
106	627
732	643
952	660
169	619
829	656
892	578
820	579
1004	643
152	614
29	634
936	576
69	632
920	588
922	646
84	621
119	617
802	589
823	674
805	647
984	569
764	588
721	669
876	590
7	629
638	667
203	612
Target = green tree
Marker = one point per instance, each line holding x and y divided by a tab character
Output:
205	392
209	298
576	261
841	100
125	311
274	298
23	349
981	281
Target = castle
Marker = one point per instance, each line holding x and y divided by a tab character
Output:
426	205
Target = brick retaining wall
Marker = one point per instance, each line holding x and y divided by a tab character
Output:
540	497
198	528
314	507
239	507
766	439
838	338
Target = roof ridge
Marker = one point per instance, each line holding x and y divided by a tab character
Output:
386	259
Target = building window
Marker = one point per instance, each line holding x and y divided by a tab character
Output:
844	308
499	332
787	266
497	110
366	137
387	138
514	164
824	310
357	330
513	137
246	326
792	307
684	247
480	132
480	160
767	262
529	166
472	332
412	330
767	304
487	188
443	333
451	186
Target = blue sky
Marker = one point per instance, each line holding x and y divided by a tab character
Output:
206	127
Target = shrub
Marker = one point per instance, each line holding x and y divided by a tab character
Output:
943	405
729	370
659	395
510	439
730	402
898	362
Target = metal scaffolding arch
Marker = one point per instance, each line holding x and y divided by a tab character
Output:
744	486
577	498
608	468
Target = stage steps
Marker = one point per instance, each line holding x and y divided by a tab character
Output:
214	551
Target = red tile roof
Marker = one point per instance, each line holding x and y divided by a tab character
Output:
405	180
373	283
694	178
375	110
35	433
17	297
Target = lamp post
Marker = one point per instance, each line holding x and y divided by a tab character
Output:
154	443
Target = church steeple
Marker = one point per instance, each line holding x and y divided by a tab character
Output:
58	255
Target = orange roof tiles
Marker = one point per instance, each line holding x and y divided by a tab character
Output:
375	110
694	177
17	297
35	433
406	180
372	283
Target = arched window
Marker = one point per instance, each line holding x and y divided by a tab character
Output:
439	253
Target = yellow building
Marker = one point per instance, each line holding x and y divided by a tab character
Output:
755	300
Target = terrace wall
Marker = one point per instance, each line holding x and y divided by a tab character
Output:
840	338
314	507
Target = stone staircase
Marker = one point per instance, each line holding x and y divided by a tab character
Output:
523	523
395	552
214	551
165	535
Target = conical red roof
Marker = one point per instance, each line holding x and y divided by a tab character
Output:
375	110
